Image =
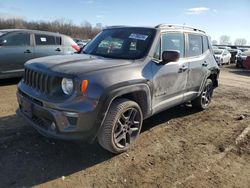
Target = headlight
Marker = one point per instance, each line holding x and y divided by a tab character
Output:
67	86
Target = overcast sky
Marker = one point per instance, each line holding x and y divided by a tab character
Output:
216	17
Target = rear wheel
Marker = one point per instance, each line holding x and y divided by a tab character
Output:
203	101
121	126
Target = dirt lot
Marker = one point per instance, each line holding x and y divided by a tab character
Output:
180	147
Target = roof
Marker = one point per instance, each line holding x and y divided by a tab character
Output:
179	27
30	31
126	26
162	27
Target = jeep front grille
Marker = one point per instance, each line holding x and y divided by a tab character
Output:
40	81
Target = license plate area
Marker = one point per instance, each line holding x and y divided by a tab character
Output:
26	107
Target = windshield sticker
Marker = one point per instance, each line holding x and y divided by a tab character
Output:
43	39
138	36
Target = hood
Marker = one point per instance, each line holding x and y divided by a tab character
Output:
74	64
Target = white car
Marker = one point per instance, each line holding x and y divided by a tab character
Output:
222	56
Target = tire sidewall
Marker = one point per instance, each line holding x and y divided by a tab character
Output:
136	106
208	82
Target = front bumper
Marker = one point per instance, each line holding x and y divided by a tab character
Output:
55	123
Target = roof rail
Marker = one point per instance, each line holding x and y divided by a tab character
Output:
178	27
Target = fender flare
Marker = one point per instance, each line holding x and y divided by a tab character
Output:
213	71
113	93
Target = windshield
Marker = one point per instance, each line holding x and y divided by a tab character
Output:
218	52
122	43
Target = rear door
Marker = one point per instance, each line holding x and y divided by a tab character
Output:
15	51
46	45
169	80
198	55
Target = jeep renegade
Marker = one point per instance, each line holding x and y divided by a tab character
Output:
123	76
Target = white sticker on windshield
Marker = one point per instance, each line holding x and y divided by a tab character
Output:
138	36
43	39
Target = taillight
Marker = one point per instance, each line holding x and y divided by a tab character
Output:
76	47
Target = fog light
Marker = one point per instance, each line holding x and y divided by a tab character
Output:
53	126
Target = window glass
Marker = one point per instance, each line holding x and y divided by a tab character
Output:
58	41
194	45
20	39
173	41
109	45
132	45
122	43
2	33
157	54
205	44
45	40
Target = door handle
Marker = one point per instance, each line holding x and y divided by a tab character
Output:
58	49
183	68
27	51
205	64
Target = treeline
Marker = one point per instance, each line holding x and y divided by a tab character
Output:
84	31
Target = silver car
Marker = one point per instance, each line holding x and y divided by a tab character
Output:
20	45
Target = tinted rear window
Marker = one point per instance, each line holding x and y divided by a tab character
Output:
205	44
194	45
58	41
45	40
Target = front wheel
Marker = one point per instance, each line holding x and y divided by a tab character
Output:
121	126
204	99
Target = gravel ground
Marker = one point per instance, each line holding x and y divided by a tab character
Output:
180	147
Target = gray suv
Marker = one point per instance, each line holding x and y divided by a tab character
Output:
20	45
125	75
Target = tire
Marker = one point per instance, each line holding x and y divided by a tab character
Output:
204	99
121	126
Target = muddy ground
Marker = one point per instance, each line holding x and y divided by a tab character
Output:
180	147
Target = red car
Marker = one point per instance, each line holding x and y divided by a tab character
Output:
246	63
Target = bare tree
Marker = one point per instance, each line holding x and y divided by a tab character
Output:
214	42
85	31
225	40
240	42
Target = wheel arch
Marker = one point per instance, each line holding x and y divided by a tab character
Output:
139	93
214	76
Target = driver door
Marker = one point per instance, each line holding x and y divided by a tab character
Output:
169	80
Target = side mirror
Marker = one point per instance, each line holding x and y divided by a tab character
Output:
170	56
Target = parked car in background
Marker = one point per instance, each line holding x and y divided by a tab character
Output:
244	49
222	56
81	43
20	45
215	47
239	53
224	47
246	63
232	50
242	58
233	53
